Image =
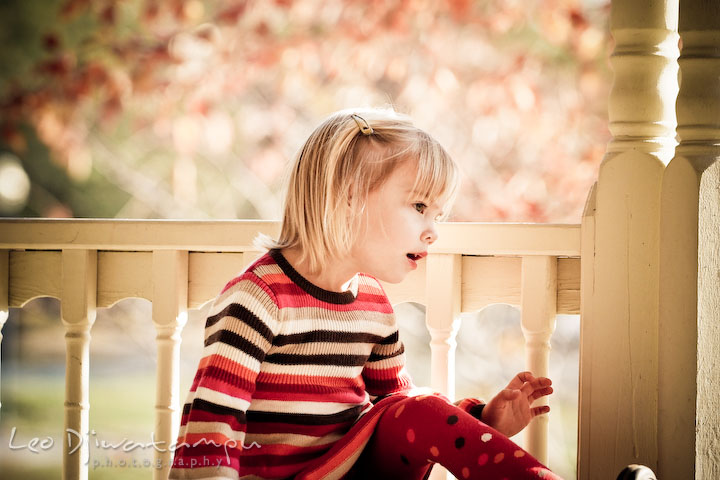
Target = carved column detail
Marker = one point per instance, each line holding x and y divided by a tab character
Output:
78	303
539	310
689	356
619	374
169	313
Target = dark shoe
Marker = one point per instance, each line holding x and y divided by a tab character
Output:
636	472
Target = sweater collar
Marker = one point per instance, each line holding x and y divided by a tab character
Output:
338	298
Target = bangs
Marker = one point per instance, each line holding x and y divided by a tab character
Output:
437	175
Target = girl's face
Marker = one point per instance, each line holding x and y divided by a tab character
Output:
396	228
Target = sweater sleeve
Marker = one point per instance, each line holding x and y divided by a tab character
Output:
238	333
473	406
384	372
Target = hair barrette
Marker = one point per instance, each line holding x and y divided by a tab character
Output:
364	126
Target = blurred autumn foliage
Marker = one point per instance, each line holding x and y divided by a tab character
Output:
192	108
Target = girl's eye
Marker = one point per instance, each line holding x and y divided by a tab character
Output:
420	207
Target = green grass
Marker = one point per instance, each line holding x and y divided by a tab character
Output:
121	407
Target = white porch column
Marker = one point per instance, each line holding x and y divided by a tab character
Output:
443	287
441	317
538	295
689	354
78	303
619	373
169	313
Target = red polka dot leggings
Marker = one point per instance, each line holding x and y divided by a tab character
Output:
418	432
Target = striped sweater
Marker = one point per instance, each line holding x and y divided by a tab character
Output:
287	369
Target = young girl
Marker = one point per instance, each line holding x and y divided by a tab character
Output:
303	374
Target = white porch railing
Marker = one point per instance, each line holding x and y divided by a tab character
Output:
180	265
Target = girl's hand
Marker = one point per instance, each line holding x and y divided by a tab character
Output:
510	410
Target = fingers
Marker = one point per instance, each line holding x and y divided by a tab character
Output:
524	377
543	392
540	410
536	389
541	383
518	380
527	389
527	384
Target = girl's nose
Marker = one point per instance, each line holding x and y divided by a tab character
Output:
430	235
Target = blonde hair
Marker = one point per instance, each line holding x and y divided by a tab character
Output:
340	163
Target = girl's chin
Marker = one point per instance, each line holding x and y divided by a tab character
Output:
393	278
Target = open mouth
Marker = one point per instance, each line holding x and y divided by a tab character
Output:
416	256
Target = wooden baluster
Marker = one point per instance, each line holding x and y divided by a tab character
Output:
443	280
169	313
443	307
538	298
4	294
621	377
690	226
78	300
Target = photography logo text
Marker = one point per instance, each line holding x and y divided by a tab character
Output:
123	453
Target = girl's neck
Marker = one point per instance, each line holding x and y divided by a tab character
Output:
335	279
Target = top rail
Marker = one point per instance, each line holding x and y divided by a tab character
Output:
238	236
